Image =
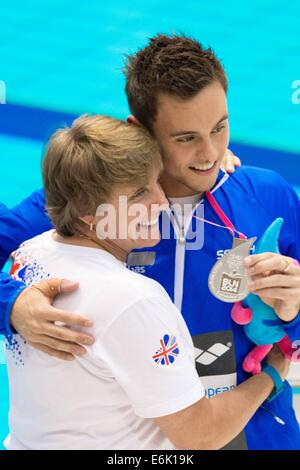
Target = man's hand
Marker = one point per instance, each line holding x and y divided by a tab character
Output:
34	319
230	162
276	280
277	359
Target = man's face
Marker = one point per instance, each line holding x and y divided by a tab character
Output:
193	135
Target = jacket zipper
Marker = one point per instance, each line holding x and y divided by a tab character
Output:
279	420
180	249
179	269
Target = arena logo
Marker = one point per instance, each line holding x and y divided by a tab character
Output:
296	93
2	92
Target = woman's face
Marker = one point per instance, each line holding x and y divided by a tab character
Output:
131	217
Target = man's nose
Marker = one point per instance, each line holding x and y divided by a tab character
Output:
206	151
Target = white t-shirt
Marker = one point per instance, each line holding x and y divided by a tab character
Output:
140	367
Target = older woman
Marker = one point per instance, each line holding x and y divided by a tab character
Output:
137	387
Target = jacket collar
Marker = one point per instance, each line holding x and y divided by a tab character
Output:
222	177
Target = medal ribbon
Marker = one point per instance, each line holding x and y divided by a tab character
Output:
226	221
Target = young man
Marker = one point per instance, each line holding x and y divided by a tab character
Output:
177	90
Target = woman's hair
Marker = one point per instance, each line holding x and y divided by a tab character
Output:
84	162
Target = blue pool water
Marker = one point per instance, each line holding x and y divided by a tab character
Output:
65	57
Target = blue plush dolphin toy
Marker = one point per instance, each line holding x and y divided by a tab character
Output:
260	321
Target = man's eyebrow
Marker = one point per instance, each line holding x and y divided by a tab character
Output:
182	133
221	120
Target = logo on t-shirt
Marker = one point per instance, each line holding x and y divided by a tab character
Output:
216	366
168	351
27	269
212	354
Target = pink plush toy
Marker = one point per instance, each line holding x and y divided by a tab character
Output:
261	323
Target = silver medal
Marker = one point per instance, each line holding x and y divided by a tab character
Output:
228	279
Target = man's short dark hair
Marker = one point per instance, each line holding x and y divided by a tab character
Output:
176	65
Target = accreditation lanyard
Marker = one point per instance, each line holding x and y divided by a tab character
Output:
228	225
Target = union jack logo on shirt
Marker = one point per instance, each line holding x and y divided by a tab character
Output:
168	351
26	268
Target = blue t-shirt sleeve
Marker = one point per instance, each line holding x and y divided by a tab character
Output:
9	291
21	223
290	242
278	199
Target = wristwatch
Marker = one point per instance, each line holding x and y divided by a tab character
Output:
278	383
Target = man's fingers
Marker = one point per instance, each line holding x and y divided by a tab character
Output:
66	334
277	280
251	260
278	293
64	346
53	352
57	315
52	287
274	262
271	264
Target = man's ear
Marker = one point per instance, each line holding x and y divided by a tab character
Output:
133	120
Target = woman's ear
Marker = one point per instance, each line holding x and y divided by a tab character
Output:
87	219
133	120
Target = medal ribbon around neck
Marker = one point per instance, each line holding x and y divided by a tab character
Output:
228	225
228	278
